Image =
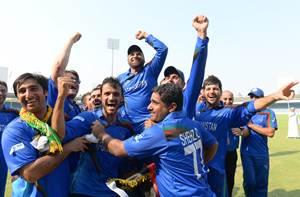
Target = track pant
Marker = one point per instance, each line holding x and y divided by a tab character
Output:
256	175
217	182
230	167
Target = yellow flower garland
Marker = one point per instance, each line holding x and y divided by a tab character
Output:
43	128
130	184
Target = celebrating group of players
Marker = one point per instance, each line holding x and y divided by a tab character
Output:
54	148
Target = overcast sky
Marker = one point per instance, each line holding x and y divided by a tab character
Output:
252	43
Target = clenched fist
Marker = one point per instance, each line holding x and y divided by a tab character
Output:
200	23
141	35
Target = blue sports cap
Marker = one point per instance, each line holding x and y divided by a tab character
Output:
172	70
134	48
257	92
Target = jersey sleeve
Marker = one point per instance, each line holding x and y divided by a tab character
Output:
196	77
271	118
17	149
52	93
79	125
158	60
240	115
149	143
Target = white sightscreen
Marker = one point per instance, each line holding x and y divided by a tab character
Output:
3	73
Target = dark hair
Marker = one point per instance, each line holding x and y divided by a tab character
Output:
85	95
96	88
99	86
212	80
170	93
3	83
40	79
114	82
74	73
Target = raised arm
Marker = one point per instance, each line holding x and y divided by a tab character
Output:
141	35
161	49
58	117
62	59
194	83
284	93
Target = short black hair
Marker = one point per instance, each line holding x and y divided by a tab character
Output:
40	79
212	80
3	83
74	73
114	82
170	93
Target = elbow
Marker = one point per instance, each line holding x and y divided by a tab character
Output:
271	135
30	177
210	152
61	136
116	148
166	50
118	153
57	70
216	146
57	65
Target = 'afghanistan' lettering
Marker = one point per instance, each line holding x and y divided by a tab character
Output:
210	126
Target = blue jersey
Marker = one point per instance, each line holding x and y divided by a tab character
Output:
232	141
257	144
79	125
6	116
194	83
71	109
138	87
176	144
90	176
218	121
18	152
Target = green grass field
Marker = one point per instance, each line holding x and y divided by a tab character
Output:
284	180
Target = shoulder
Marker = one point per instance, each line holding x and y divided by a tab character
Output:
154	132
11	110
149	136
51	82
17	123
122	76
127	126
200	105
267	111
85	116
16	128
